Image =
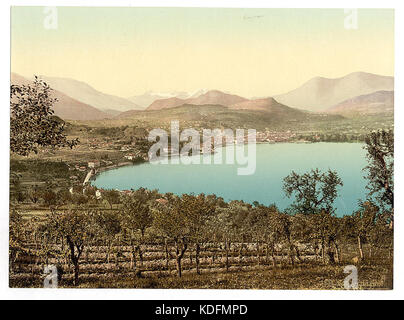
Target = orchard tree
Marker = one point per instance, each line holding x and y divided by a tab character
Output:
256	226
49	197
112	197
197	211
16	236
275	230
17	192
380	155
109	227
136	218
34	194
229	224
323	230
171	223
76	227
314	191
362	223
32	124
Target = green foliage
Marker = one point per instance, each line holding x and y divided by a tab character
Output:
32	124
76	227
380	155
112	196
41	170
314	191
136	213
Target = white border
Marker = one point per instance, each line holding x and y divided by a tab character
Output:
143	294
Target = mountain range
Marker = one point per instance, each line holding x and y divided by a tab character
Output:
146	99
319	93
356	93
373	103
83	92
66	107
212	97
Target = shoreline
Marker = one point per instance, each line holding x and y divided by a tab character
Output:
129	163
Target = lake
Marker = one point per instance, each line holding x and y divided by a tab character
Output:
273	163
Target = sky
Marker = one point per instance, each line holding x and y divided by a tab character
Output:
249	52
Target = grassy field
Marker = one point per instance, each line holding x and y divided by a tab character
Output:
244	273
115	266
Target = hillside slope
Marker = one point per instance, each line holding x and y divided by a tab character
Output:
267	104
83	92
212	97
319	94
66	107
369	104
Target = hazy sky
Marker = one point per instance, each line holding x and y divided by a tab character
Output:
250	52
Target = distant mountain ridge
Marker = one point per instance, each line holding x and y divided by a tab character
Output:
266	104
373	103
319	94
146	99
66	107
211	97
341	96
83	92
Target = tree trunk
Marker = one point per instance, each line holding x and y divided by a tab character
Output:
323	250
108	251
140	255
167	254
179	268
240	254
133	257
227	249
273	256
360	248
337	252
297	253
197	260
75	258
76	274
291	256
180	251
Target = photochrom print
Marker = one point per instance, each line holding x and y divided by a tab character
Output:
201	148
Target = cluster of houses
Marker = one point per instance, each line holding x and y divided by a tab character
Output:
95	143
135	155
274	136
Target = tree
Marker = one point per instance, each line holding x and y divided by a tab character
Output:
136	217
17	237
49	197
109	226
63	196
170	222
323	230
32	124
228	225
275	230
256	226
76	227
314	191
380	155
361	224
112	197
34	194
197	211
16	190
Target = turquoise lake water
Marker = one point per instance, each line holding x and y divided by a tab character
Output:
273	163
